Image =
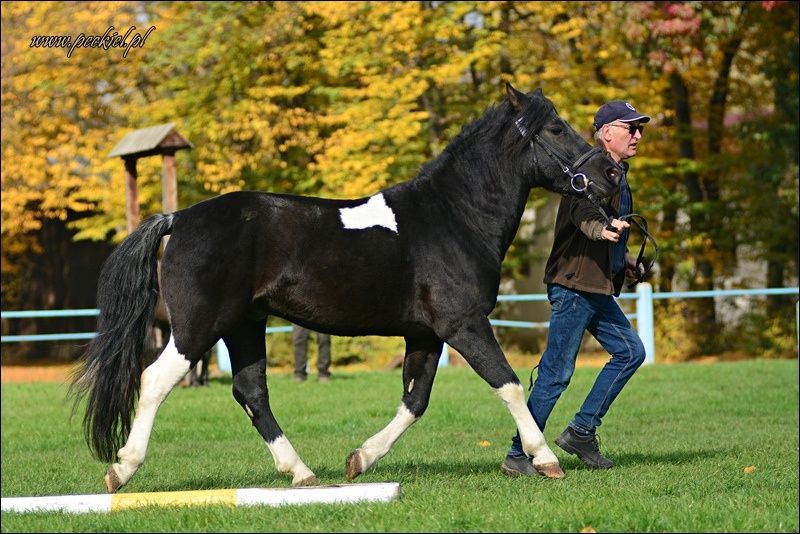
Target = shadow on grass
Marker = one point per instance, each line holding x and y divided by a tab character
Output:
631	459
227	380
211	482
335	476
389	470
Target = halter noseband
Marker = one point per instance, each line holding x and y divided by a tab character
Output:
561	160
636	219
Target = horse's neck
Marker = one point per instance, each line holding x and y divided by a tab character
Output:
485	203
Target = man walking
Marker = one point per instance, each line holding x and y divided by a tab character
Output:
586	269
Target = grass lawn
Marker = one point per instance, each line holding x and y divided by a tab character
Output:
698	448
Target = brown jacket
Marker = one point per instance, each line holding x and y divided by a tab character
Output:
580	259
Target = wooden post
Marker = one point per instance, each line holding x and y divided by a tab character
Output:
131	195
142	143
169	183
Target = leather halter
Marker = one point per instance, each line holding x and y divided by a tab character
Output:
561	160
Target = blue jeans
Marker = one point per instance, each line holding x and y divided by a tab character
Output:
572	313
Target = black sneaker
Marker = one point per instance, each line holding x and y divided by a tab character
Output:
518	466
586	448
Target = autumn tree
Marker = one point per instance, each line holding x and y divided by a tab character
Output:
713	56
58	107
342	99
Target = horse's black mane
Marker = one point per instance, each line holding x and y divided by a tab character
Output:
491	133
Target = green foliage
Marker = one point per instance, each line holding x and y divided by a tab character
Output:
350	353
754	330
766	337
672	333
699	448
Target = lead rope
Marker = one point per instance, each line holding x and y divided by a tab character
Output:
642	226
530	385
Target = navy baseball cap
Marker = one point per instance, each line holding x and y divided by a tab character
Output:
617	110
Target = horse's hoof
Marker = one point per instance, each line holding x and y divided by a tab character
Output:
113	482
310	481
353	465
552	470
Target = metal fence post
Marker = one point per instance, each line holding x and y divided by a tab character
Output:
644	320
223	357
444	357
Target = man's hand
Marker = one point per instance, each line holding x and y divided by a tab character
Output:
631	272
613	236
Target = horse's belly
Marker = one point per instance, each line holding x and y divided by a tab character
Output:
344	300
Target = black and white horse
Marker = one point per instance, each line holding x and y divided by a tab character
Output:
420	260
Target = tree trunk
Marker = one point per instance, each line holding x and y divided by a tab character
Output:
701	312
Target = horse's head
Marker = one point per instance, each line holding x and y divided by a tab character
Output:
557	157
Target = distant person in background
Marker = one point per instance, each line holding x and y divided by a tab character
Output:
300	341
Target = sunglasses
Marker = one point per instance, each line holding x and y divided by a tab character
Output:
632	128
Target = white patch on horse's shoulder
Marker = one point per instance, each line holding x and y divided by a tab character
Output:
374	212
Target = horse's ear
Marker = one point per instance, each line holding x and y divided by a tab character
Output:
516	98
538	92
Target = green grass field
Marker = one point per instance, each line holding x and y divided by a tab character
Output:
681	436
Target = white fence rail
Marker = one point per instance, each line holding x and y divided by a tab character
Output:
644	297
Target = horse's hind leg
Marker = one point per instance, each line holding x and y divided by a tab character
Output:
249	364
419	370
476	342
158	379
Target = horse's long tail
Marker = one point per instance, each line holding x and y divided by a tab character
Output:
111	369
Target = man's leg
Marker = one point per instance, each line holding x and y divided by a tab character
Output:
568	320
613	330
300	342
323	355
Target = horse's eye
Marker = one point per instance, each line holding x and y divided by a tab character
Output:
556	129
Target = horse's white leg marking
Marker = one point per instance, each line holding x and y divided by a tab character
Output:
533	442
157	381
287	460
378	445
374	212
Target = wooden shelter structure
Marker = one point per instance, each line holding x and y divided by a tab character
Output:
163	139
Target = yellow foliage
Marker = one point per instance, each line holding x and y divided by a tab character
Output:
336	99
672	333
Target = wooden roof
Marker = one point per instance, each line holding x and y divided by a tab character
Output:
150	141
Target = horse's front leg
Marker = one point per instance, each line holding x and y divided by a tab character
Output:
419	370
158	379
476	342
249	364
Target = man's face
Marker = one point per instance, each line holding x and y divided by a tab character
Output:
619	141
